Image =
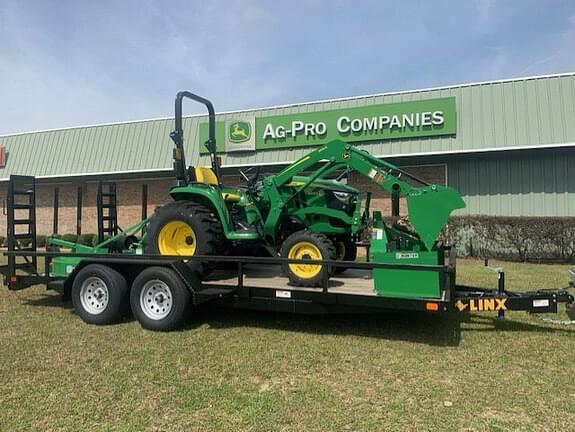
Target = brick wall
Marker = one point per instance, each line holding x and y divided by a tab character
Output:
129	203
381	200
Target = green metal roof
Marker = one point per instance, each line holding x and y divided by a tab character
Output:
501	115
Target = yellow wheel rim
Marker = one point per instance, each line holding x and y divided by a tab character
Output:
340	248
305	250
177	238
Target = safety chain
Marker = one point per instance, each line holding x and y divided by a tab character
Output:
556	321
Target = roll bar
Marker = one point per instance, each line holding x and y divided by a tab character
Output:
178	137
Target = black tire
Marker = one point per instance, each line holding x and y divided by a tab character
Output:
294	272
346	250
177	296
204	223
99	294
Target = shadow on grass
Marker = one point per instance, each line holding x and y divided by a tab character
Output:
481	323
412	327
416	327
49	300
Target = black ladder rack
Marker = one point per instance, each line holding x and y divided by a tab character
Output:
21	224
107	210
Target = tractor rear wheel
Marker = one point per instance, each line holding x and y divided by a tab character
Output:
307	245
346	250
185	228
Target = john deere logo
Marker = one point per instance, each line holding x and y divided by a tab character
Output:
240	131
241	134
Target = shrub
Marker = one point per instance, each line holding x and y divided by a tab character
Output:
25	242
522	238
88	239
70	237
40	241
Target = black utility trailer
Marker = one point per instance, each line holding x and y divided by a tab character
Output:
159	290
257	283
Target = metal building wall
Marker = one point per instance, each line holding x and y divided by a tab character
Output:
526	183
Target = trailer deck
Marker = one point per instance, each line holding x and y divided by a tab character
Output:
353	281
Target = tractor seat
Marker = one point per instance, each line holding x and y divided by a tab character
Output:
203	175
206	175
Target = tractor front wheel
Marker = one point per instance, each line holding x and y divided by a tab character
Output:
185	228
307	245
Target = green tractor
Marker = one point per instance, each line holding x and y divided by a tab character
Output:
312	216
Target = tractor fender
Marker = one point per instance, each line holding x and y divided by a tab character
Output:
208	196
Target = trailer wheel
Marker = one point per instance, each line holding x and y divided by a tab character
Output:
159	299
99	294
307	245
185	228
346	250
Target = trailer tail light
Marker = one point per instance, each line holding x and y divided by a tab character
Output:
431	306
13	279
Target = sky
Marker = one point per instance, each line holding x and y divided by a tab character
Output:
68	63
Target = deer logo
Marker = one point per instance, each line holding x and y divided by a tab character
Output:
240	131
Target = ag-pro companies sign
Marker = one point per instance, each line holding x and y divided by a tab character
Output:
427	118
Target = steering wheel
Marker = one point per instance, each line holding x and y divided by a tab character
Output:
250	179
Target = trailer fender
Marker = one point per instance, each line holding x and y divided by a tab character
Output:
131	270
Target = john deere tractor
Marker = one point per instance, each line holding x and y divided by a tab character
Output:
313	216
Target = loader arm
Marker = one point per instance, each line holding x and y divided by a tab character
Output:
429	206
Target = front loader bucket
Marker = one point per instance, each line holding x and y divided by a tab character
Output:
429	208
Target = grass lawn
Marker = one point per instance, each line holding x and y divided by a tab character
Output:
253	371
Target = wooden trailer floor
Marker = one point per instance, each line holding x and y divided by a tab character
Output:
352	281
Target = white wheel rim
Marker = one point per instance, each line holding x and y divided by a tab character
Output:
94	295
156	299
